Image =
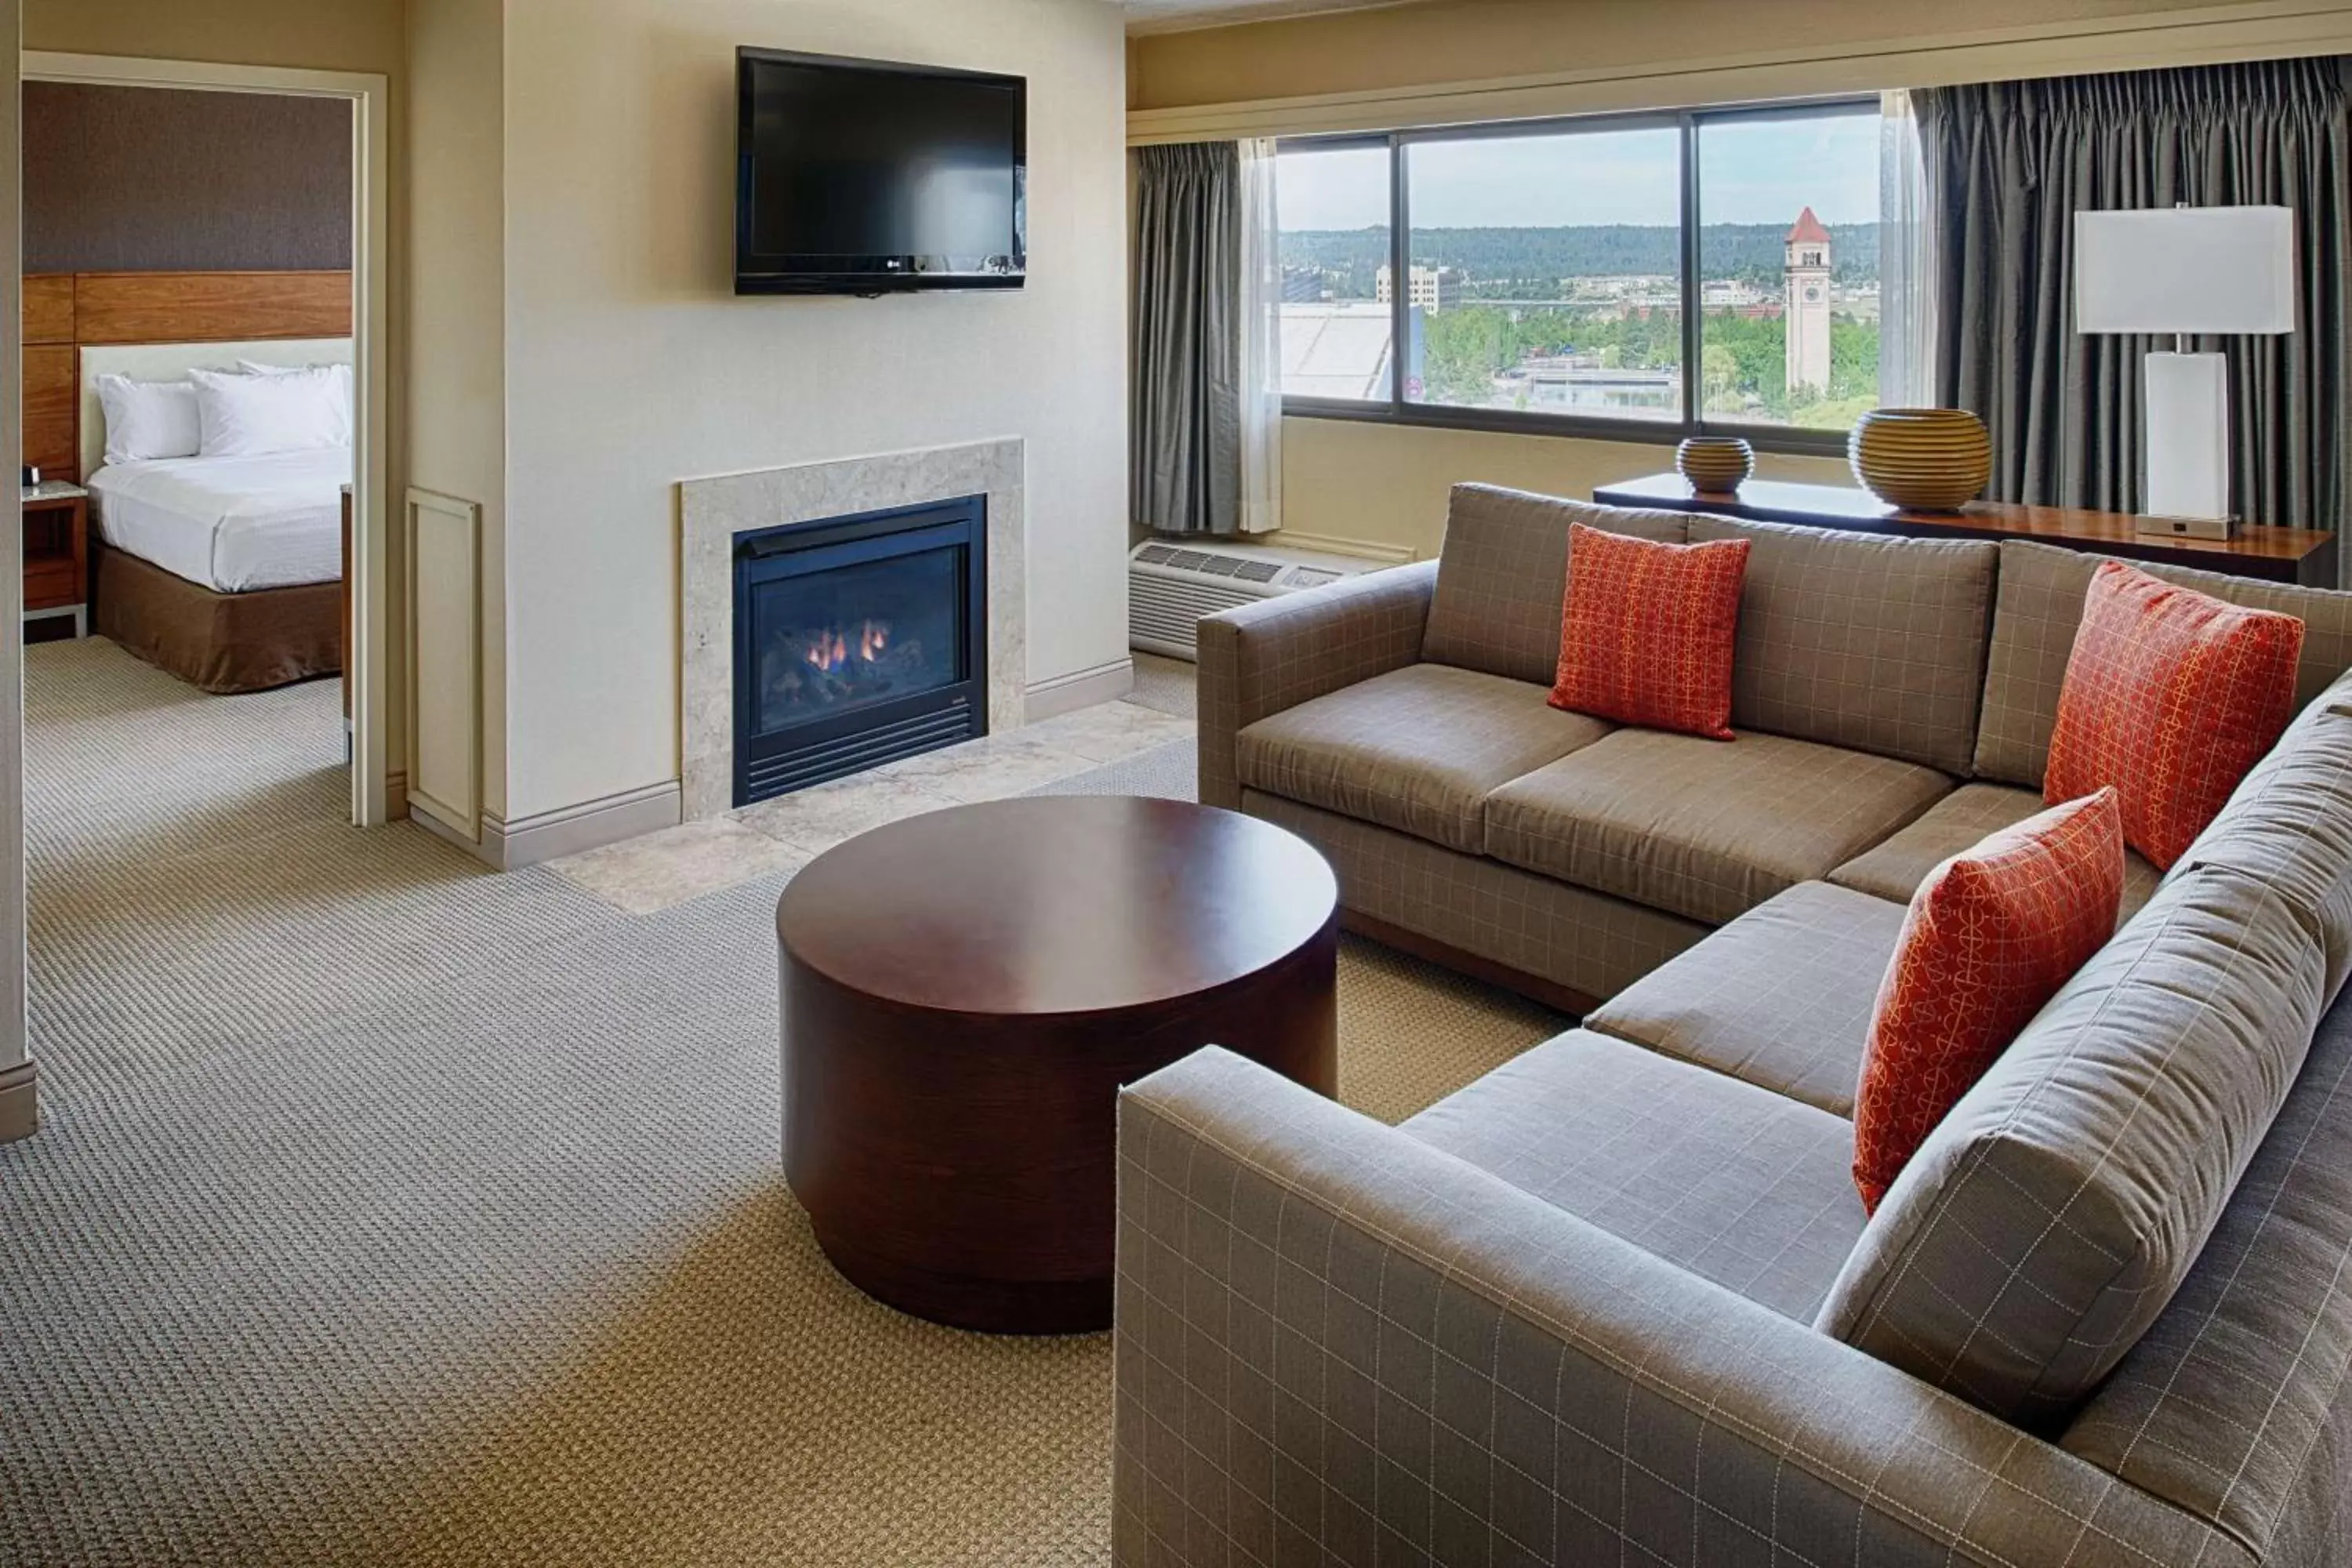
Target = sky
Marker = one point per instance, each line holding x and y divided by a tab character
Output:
1758	171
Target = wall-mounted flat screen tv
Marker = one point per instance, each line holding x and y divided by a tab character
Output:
864	177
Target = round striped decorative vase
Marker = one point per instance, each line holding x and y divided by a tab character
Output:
1922	460
1715	465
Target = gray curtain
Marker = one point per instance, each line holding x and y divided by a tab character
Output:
2008	165
1185	472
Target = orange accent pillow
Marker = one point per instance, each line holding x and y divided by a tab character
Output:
2171	696
1646	631
1991	935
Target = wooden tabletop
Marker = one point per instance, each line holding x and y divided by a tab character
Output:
1779	501
1059	904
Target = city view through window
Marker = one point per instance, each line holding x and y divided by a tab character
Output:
1546	271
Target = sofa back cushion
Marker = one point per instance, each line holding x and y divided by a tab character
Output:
2232	1406
2047	1221
2289	826
1502	576
2040	606
1860	640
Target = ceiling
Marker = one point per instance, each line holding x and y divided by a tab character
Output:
1174	15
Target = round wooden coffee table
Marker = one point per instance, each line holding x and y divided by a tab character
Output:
965	991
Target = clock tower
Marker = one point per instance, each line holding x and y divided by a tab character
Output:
1807	316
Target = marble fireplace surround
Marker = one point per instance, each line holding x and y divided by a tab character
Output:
713	512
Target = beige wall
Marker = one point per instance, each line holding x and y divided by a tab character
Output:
631	365
456	304
1386	484
316	34
1454	41
320	35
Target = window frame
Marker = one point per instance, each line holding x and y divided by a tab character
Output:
1687	123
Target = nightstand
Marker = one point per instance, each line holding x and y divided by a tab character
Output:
56	552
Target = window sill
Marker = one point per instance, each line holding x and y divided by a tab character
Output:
1505	421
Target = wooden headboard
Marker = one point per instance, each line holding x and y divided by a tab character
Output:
67	311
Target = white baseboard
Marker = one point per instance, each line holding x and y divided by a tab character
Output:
1082	689
20	1114
551	834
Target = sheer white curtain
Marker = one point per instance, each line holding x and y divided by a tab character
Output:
1261	357
1907	262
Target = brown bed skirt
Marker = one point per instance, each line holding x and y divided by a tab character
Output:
220	642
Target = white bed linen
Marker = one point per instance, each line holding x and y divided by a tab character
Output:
230	525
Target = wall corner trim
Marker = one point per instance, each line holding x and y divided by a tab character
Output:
19	1108
569	830
1060	694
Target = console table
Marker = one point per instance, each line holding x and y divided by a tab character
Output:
2297	555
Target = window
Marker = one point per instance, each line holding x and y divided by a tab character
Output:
1338	338
1789	268
1706	270
1546	273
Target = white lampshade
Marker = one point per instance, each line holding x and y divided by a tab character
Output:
2185	269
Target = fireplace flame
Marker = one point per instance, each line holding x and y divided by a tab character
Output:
829	650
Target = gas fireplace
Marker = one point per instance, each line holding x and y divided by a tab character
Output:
857	642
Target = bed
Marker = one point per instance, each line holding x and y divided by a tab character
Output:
226	571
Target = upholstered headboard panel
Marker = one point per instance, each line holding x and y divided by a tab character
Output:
172	362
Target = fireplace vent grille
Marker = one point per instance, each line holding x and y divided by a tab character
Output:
869	748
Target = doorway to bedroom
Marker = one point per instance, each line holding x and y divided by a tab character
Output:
204	456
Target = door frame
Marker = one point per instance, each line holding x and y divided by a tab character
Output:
368	96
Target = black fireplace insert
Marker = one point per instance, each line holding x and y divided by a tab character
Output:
858	641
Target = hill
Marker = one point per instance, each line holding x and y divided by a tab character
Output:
1752	251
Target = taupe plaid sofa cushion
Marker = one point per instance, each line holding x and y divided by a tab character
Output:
1704	829
1503	573
2050	1217
2233	1406
1581	941
1736	1184
1851	639
2037	611
1780	998
1959	821
1416	749
2289	825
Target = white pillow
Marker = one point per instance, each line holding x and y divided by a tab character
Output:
259	367
148	419
342	383
242	416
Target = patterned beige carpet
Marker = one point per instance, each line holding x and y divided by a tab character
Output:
390	1212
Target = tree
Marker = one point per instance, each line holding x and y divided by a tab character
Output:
1718	372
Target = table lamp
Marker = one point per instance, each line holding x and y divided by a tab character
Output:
2185	271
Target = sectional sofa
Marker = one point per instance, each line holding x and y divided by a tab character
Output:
1618	1300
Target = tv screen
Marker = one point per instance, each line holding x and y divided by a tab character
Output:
863	177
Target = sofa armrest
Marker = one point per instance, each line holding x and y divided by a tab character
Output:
1262	658
1327	1329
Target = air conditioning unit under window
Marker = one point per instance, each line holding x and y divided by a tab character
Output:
1170	586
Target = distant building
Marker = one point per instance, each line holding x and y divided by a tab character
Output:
1302	285
1806	278
1434	289
1580	383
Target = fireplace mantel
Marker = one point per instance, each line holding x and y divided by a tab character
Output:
713	512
